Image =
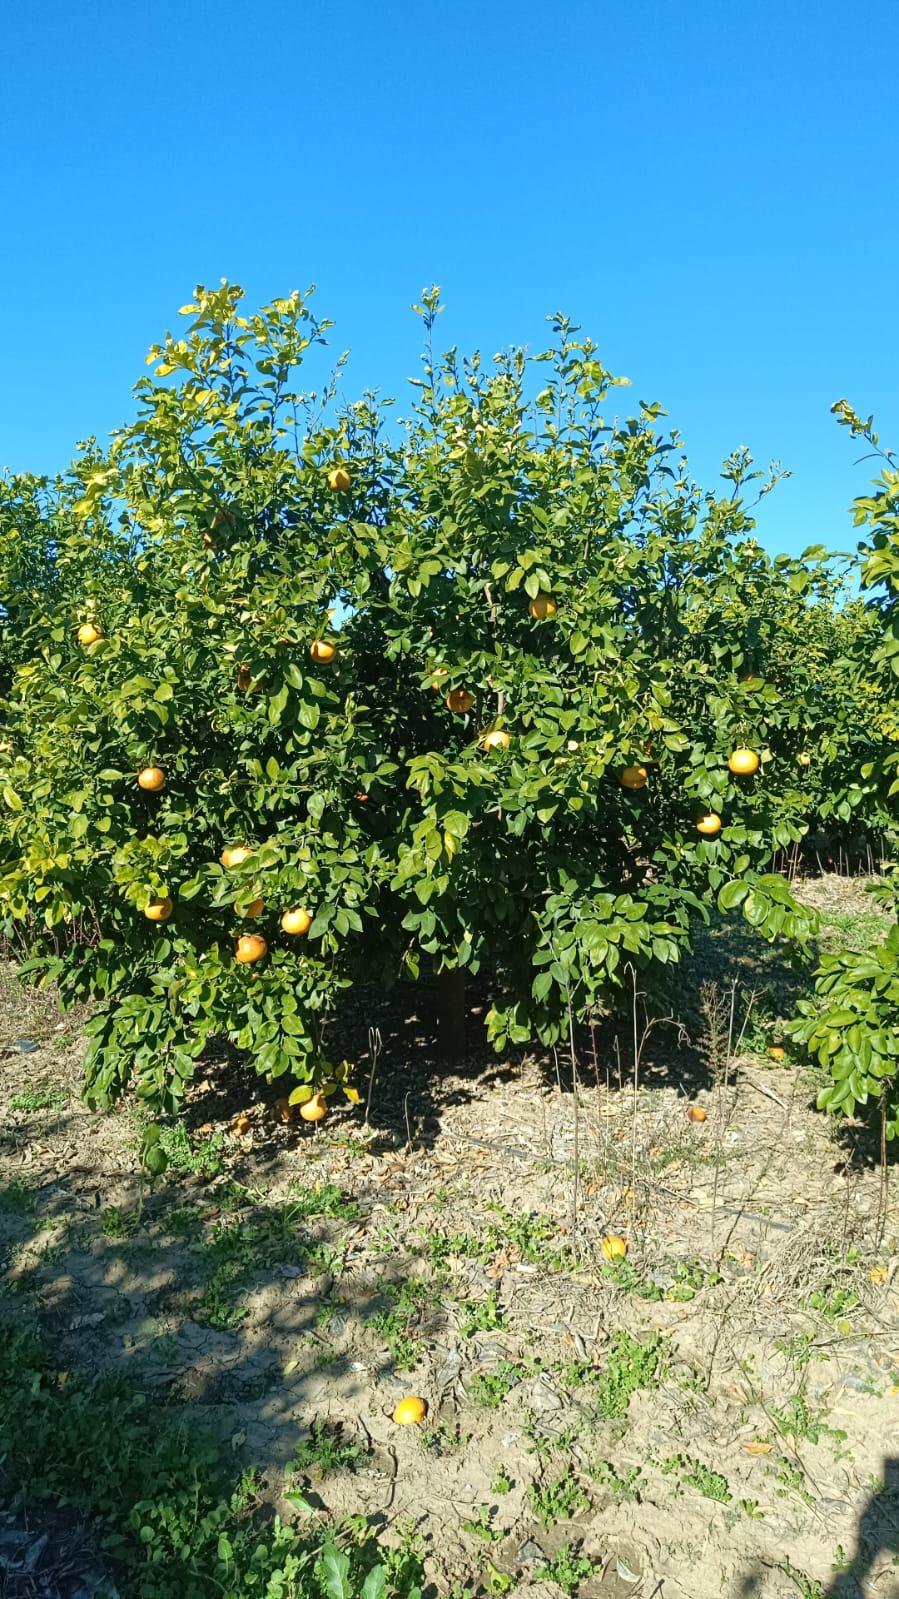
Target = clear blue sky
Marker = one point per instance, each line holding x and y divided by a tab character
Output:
708	187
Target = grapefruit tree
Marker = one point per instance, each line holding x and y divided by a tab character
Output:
308	697
852	1024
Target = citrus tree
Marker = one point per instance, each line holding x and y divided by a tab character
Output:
311	696
852	1024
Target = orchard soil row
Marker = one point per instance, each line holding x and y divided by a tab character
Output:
715	1416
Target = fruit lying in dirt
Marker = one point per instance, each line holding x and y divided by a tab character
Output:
297	922
497	739
542	606
88	633
283	1110
159	910
339	479
151	779
743	762
242	1124
250	948
777	1052
634	776
234	855
322	651
410	1411
315	1109
696	1113
459	701
255	907
709	825
613	1247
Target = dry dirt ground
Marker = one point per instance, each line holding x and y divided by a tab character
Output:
717	1415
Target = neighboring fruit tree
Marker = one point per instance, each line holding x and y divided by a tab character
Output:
301	697
852	1025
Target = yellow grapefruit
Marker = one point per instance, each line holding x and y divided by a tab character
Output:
542	606
339	479
709	825
613	1247
459	701
322	651
315	1109
497	739
634	777
159	910
297	922
88	633
743	762
151	779
234	855
250	948
410	1411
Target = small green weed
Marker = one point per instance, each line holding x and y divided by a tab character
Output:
444	1248
799	1421
624	1487
628	1366
481	1528
532	1236
325	1450
117	1223
481	1315
488	1389
568	1569
558	1501
501	1485
832	1302
694	1474
396	1324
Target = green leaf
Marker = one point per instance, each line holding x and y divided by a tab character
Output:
334	1572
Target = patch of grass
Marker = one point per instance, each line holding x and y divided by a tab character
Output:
480	1315
558	1500
322	1199
396	1324
501	1485
201	1157
325	1450
241	1249
118	1223
693	1474
39	1099
17	1198
168	1515
488	1389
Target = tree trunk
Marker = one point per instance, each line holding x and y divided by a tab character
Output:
451	1006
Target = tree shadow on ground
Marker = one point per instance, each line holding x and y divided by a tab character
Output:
878	1534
